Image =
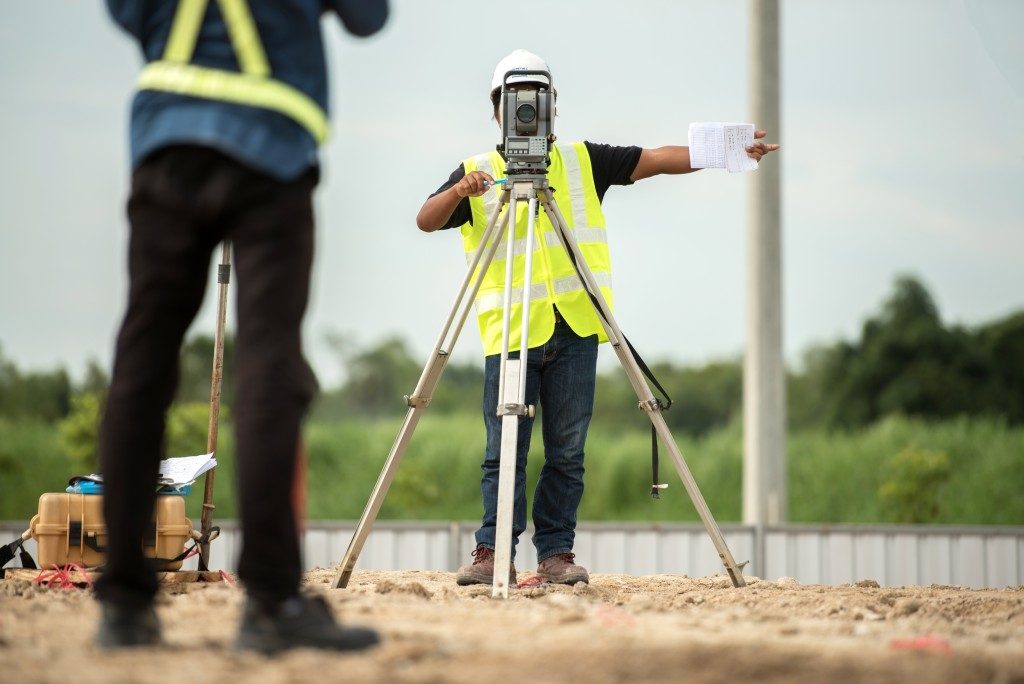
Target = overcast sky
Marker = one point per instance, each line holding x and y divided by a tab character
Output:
902	152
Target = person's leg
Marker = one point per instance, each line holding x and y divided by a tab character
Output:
272	237
168	260
272	234
492	455
482	568
567	399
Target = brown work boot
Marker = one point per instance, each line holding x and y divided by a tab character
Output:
481	570
560	569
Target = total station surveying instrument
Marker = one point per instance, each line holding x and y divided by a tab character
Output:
527	124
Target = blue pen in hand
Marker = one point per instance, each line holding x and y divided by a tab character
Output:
500	181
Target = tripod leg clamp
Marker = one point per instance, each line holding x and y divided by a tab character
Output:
525	410
416	402
650	406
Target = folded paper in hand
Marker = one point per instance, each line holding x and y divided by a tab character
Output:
184	470
721	146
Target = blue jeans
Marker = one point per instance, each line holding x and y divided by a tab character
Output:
560	378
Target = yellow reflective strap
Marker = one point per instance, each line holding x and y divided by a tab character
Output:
244	37
595	216
228	86
185	30
577	209
492	196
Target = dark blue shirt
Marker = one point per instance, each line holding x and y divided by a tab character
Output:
264	140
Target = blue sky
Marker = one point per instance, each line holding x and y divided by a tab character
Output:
902	153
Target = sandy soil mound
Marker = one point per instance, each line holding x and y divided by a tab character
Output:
617	629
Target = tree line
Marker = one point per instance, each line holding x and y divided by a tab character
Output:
905	361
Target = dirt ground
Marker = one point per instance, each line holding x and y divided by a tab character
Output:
617	629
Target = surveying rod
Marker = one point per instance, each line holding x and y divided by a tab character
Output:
223	278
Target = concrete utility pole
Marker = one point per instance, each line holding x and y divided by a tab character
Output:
764	390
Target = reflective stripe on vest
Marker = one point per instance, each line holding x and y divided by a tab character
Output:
577	202
539	291
554	281
582	235
253	86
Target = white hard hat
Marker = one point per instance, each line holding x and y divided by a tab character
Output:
519	60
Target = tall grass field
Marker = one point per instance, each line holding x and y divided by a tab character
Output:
963	471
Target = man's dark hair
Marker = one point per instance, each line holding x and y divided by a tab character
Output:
496	100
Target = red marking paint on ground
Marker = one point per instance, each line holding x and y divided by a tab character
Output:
609	616
532	581
929	643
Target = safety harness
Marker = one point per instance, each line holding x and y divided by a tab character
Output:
253	86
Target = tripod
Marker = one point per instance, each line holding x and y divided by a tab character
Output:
511	407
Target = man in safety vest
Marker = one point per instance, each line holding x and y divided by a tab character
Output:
231	108
564	330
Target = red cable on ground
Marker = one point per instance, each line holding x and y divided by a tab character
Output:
60	576
84	573
48	577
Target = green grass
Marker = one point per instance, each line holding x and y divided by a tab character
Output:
30	464
833	476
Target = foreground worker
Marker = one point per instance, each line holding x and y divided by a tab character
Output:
225	128
564	330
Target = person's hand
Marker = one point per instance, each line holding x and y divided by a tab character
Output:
759	149
473	184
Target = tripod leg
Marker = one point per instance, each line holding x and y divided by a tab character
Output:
647	400
512	391
507	301
506	482
380	490
421	396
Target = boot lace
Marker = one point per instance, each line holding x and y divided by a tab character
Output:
566	558
482	554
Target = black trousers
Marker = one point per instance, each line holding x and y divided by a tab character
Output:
184	201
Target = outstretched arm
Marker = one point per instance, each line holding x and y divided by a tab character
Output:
676	159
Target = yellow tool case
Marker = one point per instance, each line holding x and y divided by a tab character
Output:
69	528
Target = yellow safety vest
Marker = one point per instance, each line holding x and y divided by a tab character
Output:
554	282
254	86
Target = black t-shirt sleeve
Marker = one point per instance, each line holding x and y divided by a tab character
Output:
612	165
463	213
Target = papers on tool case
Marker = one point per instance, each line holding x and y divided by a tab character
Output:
721	146
184	470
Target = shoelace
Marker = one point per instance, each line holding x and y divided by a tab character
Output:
567	558
481	555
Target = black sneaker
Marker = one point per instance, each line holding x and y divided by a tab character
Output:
123	627
300	622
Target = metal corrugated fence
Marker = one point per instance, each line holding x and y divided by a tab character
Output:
812	554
